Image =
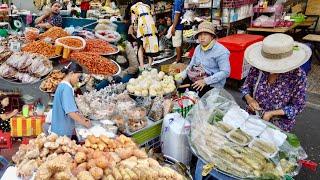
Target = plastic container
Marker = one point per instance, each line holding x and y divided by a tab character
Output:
262	151
57	42
237	44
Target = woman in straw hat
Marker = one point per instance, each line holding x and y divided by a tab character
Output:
275	88
209	66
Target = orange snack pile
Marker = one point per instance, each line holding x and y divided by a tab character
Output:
54	33
94	63
40	47
71	42
99	46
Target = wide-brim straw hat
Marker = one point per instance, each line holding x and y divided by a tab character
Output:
277	53
207	27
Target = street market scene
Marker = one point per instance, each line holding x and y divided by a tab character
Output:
159	89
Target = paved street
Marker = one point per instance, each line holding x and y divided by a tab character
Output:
307	129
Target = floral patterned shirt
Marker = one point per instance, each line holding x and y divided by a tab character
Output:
287	93
55	20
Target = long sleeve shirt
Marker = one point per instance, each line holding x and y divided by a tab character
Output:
215	62
287	93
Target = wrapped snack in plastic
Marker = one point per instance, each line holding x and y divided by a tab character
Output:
31	34
144	102
120	122
156	112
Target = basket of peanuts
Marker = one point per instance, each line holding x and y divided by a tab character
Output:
69	43
31	34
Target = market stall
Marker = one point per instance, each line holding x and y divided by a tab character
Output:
144	109
238	145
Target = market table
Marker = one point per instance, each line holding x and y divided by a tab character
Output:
315	40
30	126
272	30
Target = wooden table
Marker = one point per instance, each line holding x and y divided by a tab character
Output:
273	30
315	40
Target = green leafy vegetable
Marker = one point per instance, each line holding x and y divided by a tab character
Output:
293	140
216	116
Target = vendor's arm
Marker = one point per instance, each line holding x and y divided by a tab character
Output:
298	101
224	67
177	14
80	119
248	85
70	108
193	61
44	25
9	115
42	18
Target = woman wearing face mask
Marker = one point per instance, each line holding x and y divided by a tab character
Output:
209	66
50	18
65	111
4	116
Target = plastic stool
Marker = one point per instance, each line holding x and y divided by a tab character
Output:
5	140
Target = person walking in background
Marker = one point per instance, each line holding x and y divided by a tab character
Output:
84	6
177	27
144	30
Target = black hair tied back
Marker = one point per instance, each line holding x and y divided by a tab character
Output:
72	67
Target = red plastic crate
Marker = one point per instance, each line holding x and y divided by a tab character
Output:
237	45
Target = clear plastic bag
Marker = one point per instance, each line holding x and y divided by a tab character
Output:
156	112
210	143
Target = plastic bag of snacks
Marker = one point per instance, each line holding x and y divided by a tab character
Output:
156	112
31	34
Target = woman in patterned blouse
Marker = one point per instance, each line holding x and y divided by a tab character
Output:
275	88
5	117
51	18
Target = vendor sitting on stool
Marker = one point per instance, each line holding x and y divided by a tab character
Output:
50	18
209	66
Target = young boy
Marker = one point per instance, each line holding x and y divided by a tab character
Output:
209	67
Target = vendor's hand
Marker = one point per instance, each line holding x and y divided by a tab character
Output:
87	123
199	85
132	70
253	105
267	116
14	112
173	30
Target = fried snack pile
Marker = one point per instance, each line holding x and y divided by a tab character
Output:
54	157
51	82
53	33
95	63
40	47
99	46
71	42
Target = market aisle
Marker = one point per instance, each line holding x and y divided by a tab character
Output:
307	129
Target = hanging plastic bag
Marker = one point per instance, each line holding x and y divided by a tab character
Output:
174	138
